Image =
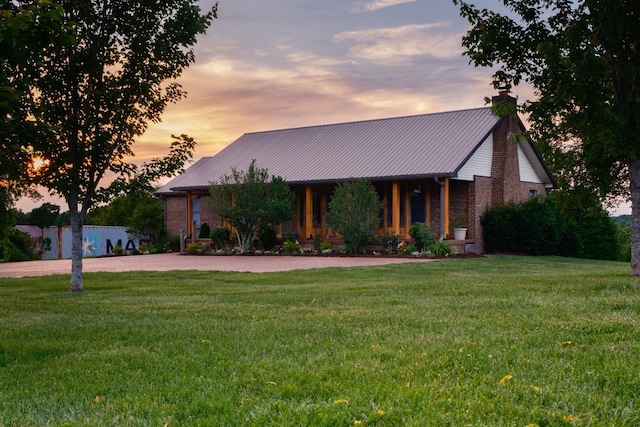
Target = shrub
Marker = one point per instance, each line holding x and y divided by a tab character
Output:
267	237
205	231
565	223
440	248
421	235
325	246
290	247
390	242
10	253
166	243
143	248
220	237
534	228
354	214
118	250
194	248
623	234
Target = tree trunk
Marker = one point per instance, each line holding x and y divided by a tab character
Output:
77	221
634	173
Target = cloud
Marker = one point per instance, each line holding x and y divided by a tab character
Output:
376	5
396	46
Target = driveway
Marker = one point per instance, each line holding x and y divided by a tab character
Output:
176	261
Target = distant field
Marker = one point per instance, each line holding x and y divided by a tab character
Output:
497	341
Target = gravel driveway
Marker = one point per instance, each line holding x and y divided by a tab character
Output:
176	261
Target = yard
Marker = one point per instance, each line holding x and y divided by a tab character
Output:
495	341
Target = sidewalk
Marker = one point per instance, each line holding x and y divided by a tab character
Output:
176	261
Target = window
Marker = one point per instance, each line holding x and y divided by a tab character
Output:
195	211
533	193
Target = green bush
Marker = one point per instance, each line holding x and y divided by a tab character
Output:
267	237
390	242
534	228
354	213
290	247
623	234
194	248
205	231
220	237
325	246
165	243
440	248
421	235
567	224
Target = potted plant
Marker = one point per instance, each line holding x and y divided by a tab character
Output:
459	226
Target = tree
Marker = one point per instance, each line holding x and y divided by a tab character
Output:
249	200
27	34
45	215
354	213
98	95
139	210
583	60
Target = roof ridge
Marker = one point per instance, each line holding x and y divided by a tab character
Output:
368	120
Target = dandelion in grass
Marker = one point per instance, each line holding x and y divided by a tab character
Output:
96	399
357	422
572	419
535	388
340	402
532	425
272	383
380	412
566	343
505	379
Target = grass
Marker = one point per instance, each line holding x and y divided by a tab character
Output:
499	341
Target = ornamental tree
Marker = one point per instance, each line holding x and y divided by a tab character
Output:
354	213
582	57
249	200
95	97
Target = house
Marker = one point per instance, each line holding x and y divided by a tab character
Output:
426	168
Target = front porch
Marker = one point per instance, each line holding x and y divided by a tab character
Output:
434	202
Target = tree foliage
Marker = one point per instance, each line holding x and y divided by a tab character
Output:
140	211
92	99
29	32
354	213
249	200
44	215
583	60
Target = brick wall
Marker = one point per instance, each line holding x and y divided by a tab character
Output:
175	214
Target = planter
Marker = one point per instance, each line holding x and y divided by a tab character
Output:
459	233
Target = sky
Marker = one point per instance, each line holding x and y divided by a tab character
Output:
274	64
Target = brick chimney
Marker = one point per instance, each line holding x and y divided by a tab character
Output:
505	171
503	96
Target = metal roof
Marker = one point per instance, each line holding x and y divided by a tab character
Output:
427	145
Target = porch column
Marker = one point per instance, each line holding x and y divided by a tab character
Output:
395	203
427	216
308	212
445	219
189	213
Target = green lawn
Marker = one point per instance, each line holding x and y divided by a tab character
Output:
498	341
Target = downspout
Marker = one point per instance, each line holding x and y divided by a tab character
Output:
437	180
